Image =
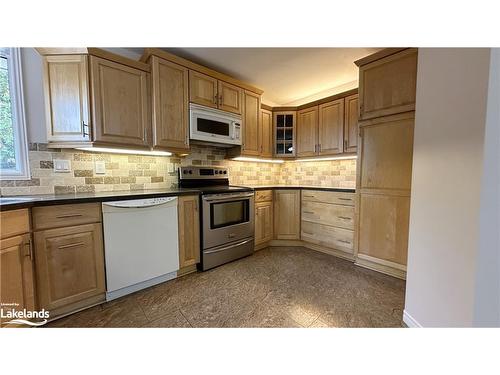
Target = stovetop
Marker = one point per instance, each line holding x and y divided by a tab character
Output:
209	180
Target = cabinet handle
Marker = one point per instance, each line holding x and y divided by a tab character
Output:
308	212
344	217
220	99
309	233
85	128
319	148
345	199
345	144
71	245
68	215
308	196
344	241
215	99
27	245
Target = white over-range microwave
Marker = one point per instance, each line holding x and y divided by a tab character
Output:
214	126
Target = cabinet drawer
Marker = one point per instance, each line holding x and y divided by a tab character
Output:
263	195
66	215
14	222
325	235
346	199
328	214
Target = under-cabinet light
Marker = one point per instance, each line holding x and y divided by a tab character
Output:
350	157
124	151
257	160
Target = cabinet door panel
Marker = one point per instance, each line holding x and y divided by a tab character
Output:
383	227
287	214
266	134
70	264
189	231
120	103
263	222
386	160
170	105
66	98
388	86
331	128
307	131
230	97
351	124
16	272
202	89
251	125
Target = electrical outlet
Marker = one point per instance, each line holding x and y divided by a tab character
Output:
100	167
62	166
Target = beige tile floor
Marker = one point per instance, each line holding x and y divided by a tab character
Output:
275	287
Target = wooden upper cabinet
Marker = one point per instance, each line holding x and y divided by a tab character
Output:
202	89
266	133
69	265
251	124
351	123
230	97
331	128
170	105
307	131
121	111
67	98
189	231
388	85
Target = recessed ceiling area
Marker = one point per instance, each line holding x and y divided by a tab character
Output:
288	76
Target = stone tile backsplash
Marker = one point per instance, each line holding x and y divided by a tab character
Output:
136	172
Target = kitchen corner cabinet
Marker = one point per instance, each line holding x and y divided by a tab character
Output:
170	97
263	216
69	257
189	231
307	132
250	126
351	123
96	98
331	128
211	92
266	133
284	123
287	214
16	262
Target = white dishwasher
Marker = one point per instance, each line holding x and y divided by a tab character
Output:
140	244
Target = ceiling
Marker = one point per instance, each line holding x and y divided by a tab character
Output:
288	76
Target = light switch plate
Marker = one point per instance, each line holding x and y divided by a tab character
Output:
100	167
62	166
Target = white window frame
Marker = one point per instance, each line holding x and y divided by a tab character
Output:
22	171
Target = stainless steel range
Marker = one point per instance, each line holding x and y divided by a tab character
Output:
227	228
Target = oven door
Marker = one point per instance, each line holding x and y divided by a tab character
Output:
227	218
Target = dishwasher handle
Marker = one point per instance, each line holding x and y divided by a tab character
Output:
141	203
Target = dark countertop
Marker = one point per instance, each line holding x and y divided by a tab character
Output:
27	201
303	187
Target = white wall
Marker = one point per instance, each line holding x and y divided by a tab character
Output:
33	90
452	90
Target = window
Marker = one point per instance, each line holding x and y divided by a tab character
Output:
13	143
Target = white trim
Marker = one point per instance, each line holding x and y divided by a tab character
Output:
410	321
18	118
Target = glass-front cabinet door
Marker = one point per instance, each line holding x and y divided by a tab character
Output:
284	134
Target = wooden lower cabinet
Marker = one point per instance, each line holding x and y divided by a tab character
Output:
16	270
189	231
69	265
263	222
287	214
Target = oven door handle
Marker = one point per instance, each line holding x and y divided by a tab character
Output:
228	246
227	197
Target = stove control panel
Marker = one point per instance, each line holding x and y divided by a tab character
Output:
200	172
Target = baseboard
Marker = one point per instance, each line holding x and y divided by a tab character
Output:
410	321
380	265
